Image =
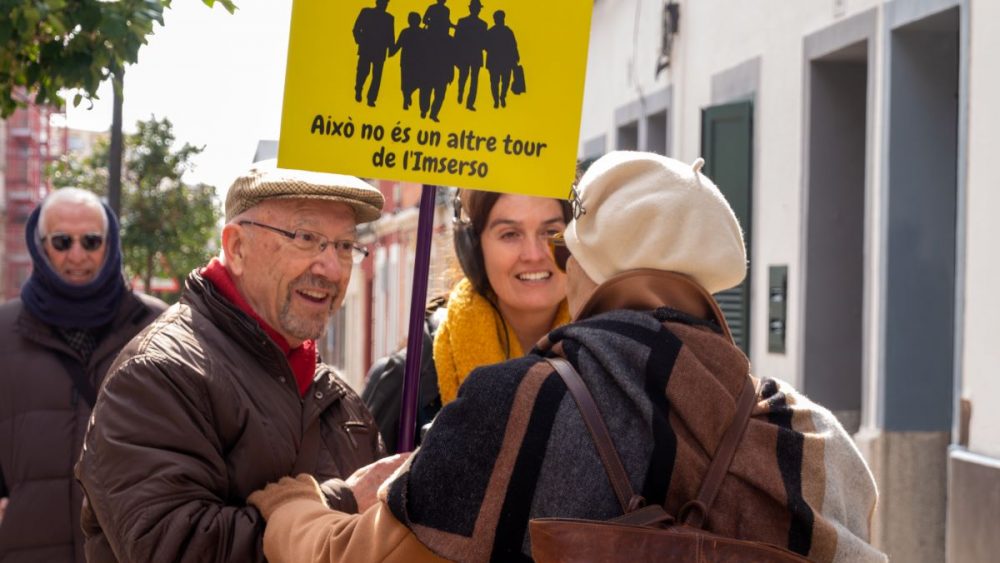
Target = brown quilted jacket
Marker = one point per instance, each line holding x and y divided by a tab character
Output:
198	412
42	422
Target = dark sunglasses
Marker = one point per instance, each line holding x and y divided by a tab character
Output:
61	242
560	252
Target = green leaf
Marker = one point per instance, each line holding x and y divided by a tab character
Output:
52	45
6	31
229	5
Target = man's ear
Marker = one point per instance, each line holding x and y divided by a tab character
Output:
234	248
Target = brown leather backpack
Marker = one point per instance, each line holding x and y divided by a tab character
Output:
648	533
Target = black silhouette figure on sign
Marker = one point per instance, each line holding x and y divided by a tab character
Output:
470	41
438	72
375	36
430	55
437	18
412	47
501	58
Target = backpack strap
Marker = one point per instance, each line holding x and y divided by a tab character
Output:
81	383
599	432
695	512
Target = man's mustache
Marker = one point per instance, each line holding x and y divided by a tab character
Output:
311	281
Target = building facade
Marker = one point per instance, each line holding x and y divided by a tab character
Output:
853	138
30	142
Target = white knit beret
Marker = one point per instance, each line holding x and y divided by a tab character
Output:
645	210
266	181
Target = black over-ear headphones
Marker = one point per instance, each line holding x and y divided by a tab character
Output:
469	250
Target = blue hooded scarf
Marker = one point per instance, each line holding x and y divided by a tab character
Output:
57	303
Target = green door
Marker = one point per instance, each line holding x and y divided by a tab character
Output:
727	146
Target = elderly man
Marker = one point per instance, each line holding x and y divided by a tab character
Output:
653	348
74	315
224	392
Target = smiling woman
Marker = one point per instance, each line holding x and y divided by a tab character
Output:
526	286
511	295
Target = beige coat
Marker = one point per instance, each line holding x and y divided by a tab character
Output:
301	529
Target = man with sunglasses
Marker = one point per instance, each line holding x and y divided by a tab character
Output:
74	315
225	392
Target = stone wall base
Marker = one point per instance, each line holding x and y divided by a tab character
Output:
911	469
973	507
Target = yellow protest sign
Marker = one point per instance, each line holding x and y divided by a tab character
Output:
483	95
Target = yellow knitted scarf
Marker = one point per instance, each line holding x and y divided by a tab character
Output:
470	337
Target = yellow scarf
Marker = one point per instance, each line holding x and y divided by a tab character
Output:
465	341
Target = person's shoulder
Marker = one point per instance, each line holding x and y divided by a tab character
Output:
9	311
490	381
385	367
165	354
168	339
378	376
152	303
141	309
615	321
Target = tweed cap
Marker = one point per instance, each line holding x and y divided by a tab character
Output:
266	181
644	210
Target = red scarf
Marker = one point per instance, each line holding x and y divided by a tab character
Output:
302	360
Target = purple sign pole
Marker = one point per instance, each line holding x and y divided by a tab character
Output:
415	338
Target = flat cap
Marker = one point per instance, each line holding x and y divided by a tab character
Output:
266	181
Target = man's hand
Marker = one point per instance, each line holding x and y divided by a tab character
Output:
3	508
365	482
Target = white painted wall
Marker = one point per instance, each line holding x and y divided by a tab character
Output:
981	352
382	344
353	369
621	62
714	36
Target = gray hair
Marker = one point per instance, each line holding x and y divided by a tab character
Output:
75	196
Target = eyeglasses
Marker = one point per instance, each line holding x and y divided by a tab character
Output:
560	252
61	242
315	243
574	200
